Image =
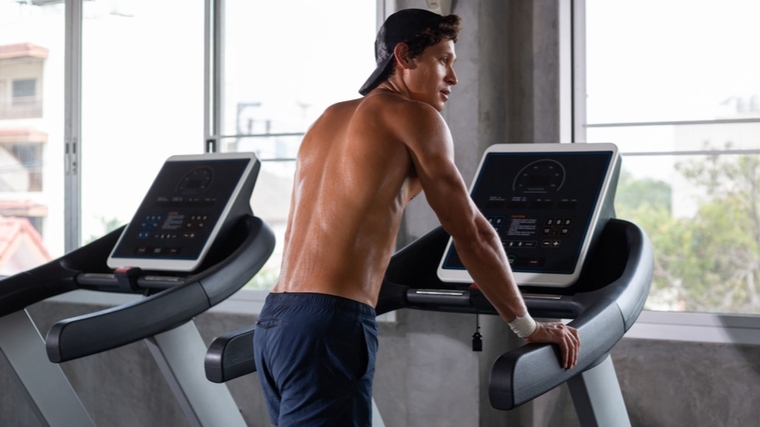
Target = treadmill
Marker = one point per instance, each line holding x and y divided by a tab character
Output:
192	243
552	205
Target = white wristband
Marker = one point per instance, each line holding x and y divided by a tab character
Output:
524	326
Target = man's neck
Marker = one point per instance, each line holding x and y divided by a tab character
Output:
391	86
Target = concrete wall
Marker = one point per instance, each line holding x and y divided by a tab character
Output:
669	383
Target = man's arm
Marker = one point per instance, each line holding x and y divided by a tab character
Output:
431	148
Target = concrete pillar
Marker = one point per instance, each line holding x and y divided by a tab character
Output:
532	87
509	85
508	92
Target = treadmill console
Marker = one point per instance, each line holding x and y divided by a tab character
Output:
184	211
545	201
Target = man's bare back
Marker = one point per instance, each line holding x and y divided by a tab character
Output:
359	166
354	178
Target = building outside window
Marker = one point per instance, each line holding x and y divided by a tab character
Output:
31	134
21	76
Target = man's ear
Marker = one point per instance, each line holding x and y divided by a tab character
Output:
403	57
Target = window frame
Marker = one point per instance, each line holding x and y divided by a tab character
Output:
72	191
18	84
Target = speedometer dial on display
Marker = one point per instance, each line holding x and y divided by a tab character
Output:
541	176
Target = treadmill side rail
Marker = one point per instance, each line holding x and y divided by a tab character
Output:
111	328
230	356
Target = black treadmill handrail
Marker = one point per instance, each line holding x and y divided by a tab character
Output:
638	271
608	313
100	331
52	278
230	356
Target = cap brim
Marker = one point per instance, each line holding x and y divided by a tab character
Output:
373	79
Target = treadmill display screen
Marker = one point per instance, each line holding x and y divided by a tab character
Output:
178	218
541	205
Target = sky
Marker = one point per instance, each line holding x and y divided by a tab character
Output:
665	60
298	57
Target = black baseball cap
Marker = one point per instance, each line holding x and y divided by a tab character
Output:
402	26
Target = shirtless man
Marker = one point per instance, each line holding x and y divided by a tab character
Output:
358	166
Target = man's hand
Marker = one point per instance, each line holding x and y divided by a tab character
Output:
564	336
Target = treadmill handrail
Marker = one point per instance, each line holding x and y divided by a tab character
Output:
96	332
230	356
522	374
47	280
631	290
257	248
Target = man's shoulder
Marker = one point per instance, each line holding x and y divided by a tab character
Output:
412	122
389	116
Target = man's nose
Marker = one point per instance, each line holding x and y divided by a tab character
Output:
451	77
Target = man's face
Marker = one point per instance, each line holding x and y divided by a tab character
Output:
431	79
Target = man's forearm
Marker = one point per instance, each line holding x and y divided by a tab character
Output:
485	260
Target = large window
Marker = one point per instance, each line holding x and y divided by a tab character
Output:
142	100
674	84
285	62
31	134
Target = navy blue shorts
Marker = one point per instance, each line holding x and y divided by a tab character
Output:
315	357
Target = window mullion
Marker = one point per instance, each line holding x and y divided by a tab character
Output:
73	126
213	74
